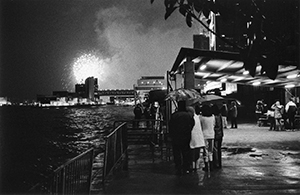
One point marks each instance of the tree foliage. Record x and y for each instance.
(272, 30)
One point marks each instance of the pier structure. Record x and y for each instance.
(248, 167)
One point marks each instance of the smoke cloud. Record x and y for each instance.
(136, 41)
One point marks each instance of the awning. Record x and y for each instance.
(228, 67)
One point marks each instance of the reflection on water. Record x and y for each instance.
(35, 141)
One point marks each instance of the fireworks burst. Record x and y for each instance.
(88, 65)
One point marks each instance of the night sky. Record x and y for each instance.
(42, 39)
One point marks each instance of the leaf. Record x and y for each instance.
(170, 3)
(173, 3)
(169, 11)
(270, 64)
(182, 10)
(206, 13)
(189, 19)
(167, 2)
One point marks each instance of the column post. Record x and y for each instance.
(189, 74)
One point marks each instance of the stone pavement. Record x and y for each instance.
(250, 168)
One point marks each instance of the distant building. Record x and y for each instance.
(91, 86)
(88, 89)
(4, 101)
(86, 93)
(61, 93)
(80, 90)
(151, 83)
(147, 83)
(44, 99)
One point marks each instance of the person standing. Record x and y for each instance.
(197, 139)
(138, 112)
(259, 109)
(224, 113)
(270, 115)
(180, 127)
(291, 110)
(233, 115)
(278, 112)
(207, 120)
(217, 153)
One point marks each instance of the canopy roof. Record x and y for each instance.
(228, 67)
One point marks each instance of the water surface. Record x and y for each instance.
(35, 141)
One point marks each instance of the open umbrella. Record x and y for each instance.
(238, 102)
(210, 98)
(182, 94)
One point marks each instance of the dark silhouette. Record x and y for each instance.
(217, 153)
(181, 125)
(233, 115)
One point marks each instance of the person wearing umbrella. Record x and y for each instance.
(197, 139)
(207, 120)
(217, 153)
(180, 128)
(224, 113)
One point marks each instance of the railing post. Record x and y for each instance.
(63, 180)
(125, 146)
(90, 172)
(105, 159)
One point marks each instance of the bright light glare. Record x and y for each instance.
(292, 76)
(246, 72)
(256, 83)
(203, 67)
(289, 86)
(223, 80)
(87, 65)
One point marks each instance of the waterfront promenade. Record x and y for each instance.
(255, 161)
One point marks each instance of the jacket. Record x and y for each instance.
(180, 126)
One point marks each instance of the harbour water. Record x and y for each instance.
(35, 141)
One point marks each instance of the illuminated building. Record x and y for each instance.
(91, 85)
(150, 83)
(147, 83)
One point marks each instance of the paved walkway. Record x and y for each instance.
(264, 163)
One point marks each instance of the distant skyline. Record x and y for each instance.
(42, 41)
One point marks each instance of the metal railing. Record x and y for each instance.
(154, 128)
(73, 177)
(149, 132)
(115, 150)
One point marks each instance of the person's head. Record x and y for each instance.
(206, 110)
(277, 102)
(292, 99)
(190, 110)
(181, 106)
(233, 103)
(215, 110)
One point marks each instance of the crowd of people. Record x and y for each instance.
(280, 117)
(148, 110)
(198, 129)
(195, 129)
